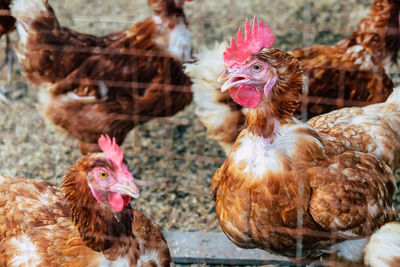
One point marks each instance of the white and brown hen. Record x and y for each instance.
(353, 72)
(88, 221)
(109, 84)
(302, 188)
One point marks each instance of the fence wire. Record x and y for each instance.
(174, 155)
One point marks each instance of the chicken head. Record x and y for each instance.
(248, 84)
(249, 78)
(109, 179)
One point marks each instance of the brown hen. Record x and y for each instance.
(353, 72)
(108, 84)
(88, 221)
(302, 188)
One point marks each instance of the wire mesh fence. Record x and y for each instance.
(174, 155)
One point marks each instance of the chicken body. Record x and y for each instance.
(353, 72)
(108, 84)
(45, 225)
(327, 183)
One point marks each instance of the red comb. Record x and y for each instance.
(111, 149)
(260, 36)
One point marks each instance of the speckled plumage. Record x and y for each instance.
(95, 85)
(323, 182)
(45, 225)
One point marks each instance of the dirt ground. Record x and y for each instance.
(173, 153)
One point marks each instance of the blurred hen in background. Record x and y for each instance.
(95, 85)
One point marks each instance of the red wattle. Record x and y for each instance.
(246, 95)
(126, 200)
(117, 202)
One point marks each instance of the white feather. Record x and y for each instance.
(179, 43)
(25, 11)
(148, 256)
(157, 20)
(352, 250)
(119, 262)
(259, 154)
(207, 90)
(262, 155)
(395, 96)
(26, 253)
(103, 89)
(384, 246)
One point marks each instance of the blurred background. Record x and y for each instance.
(173, 154)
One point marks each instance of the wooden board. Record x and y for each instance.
(215, 248)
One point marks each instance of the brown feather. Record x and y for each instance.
(108, 84)
(67, 226)
(286, 95)
(323, 182)
(352, 72)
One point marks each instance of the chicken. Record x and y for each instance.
(353, 72)
(302, 188)
(87, 221)
(7, 25)
(110, 84)
(383, 249)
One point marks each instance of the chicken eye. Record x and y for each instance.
(257, 67)
(103, 174)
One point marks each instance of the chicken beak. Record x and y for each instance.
(130, 188)
(233, 77)
(223, 76)
(232, 82)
